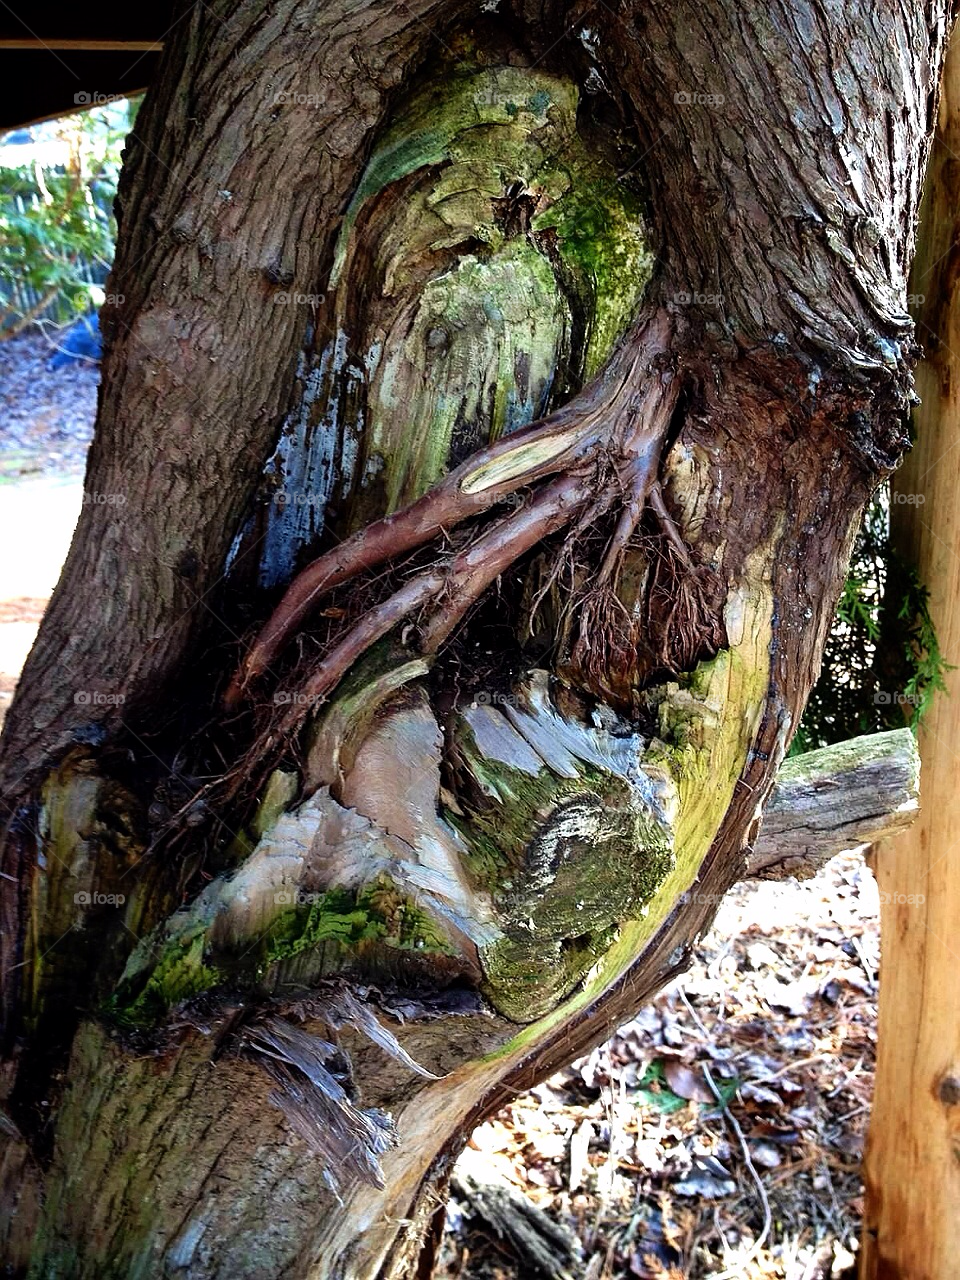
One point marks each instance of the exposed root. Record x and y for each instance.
(564, 559)
(684, 611)
(475, 568)
(682, 607)
(607, 448)
(639, 488)
(669, 527)
(612, 415)
(442, 594)
(374, 624)
(474, 487)
(639, 479)
(606, 637)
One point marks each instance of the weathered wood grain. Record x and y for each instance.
(840, 797)
(912, 1213)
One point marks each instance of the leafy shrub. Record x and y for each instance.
(57, 231)
(882, 663)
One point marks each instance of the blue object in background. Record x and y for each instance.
(80, 342)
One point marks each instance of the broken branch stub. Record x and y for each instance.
(837, 798)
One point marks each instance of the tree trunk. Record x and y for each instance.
(483, 431)
(912, 1223)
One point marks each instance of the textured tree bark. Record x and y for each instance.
(911, 1220)
(485, 518)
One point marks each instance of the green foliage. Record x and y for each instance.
(921, 650)
(882, 664)
(654, 1092)
(57, 231)
(855, 609)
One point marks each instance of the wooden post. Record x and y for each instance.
(912, 1218)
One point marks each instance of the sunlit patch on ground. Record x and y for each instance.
(37, 518)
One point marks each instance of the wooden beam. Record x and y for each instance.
(912, 1214)
(39, 82)
(96, 46)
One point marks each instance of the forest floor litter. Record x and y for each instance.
(754, 1069)
(47, 415)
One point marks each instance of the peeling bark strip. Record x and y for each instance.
(349, 1141)
(573, 362)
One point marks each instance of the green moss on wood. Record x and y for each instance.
(487, 264)
(708, 720)
(566, 860)
(502, 318)
(601, 239)
(278, 795)
(377, 912)
(179, 976)
(310, 933)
